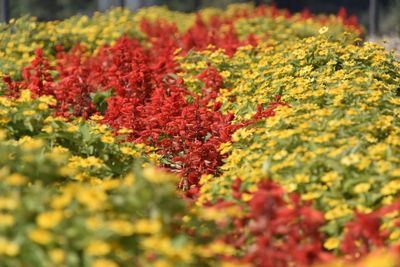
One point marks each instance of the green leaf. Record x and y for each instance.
(100, 100)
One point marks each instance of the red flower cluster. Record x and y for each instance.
(277, 229)
(364, 233)
(275, 225)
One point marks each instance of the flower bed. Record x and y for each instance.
(245, 137)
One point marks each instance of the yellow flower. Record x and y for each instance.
(94, 223)
(330, 177)
(214, 249)
(6, 220)
(25, 96)
(391, 188)
(28, 143)
(280, 155)
(8, 248)
(40, 236)
(395, 235)
(361, 188)
(98, 248)
(129, 151)
(16, 179)
(310, 196)
(8, 203)
(29, 113)
(72, 129)
(57, 255)
(331, 243)
(4, 101)
(225, 148)
(96, 117)
(104, 263)
(350, 159)
(48, 100)
(43, 106)
(47, 129)
(338, 212)
(147, 226)
(302, 178)
(107, 139)
(124, 131)
(122, 227)
(61, 201)
(93, 198)
(323, 30)
(49, 219)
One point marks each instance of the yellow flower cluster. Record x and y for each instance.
(335, 143)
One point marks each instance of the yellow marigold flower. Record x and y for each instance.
(94, 223)
(25, 96)
(338, 212)
(364, 163)
(122, 227)
(29, 112)
(40, 236)
(280, 155)
(350, 159)
(391, 188)
(225, 148)
(47, 129)
(6, 220)
(8, 203)
(61, 201)
(128, 151)
(395, 172)
(104, 263)
(28, 143)
(246, 197)
(16, 179)
(8, 248)
(49, 219)
(93, 198)
(72, 128)
(98, 248)
(363, 209)
(147, 226)
(4, 120)
(96, 117)
(330, 177)
(302, 178)
(214, 249)
(387, 200)
(310, 196)
(331, 243)
(43, 106)
(125, 131)
(395, 235)
(108, 139)
(4, 101)
(362, 188)
(57, 255)
(48, 100)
